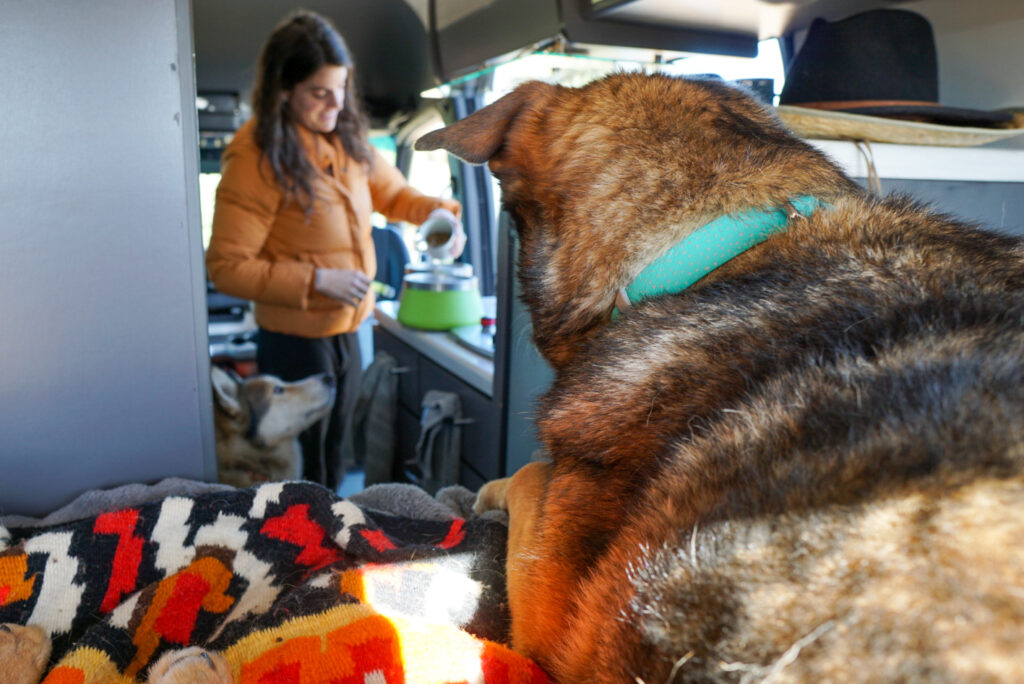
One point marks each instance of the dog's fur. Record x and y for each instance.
(24, 651)
(806, 467)
(258, 421)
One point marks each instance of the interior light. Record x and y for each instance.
(437, 92)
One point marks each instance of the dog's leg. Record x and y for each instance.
(24, 652)
(524, 497)
(492, 496)
(539, 586)
(559, 523)
(191, 666)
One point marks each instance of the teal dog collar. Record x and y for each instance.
(711, 246)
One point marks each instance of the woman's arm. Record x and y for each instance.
(396, 199)
(248, 200)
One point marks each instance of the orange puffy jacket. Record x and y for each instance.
(267, 250)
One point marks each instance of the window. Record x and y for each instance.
(207, 195)
(429, 171)
(573, 70)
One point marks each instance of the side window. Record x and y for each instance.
(429, 172)
(208, 183)
(385, 145)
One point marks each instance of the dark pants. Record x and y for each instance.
(293, 358)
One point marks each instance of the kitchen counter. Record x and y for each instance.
(442, 348)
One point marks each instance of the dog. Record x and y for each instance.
(801, 461)
(257, 422)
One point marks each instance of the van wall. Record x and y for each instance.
(980, 51)
(104, 372)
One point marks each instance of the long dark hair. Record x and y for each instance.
(297, 48)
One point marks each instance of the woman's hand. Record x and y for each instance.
(458, 240)
(343, 284)
(451, 211)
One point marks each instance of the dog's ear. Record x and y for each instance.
(225, 391)
(476, 138)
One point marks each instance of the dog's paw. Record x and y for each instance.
(191, 665)
(493, 496)
(24, 652)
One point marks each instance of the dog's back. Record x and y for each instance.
(837, 469)
(805, 467)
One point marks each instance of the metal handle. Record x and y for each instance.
(398, 370)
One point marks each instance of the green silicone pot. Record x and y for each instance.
(433, 301)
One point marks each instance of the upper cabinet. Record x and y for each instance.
(403, 48)
(466, 35)
(387, 38)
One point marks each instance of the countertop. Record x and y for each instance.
(441, 347)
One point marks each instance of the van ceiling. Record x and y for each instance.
(448, 11)
(395, 62)
(763, 18)
(387, 39)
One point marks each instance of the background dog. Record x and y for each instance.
(258, 421)
(804, 467)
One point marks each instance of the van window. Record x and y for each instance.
(576, 70)
(385, 144)
(429, 171)
(208, 183)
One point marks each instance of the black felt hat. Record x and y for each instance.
(877, 63)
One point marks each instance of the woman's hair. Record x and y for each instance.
(296, 49)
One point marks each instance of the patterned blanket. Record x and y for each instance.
(289, 582)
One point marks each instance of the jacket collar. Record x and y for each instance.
(321, 150)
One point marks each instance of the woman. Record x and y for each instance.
(291, 227)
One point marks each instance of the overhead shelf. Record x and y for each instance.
(923, 162)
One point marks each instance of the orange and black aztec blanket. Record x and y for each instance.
(289, 582)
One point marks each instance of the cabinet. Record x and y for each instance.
(103, 346)
(481, 458)
(984, 185)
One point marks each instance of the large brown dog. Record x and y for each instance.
(804, 467)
